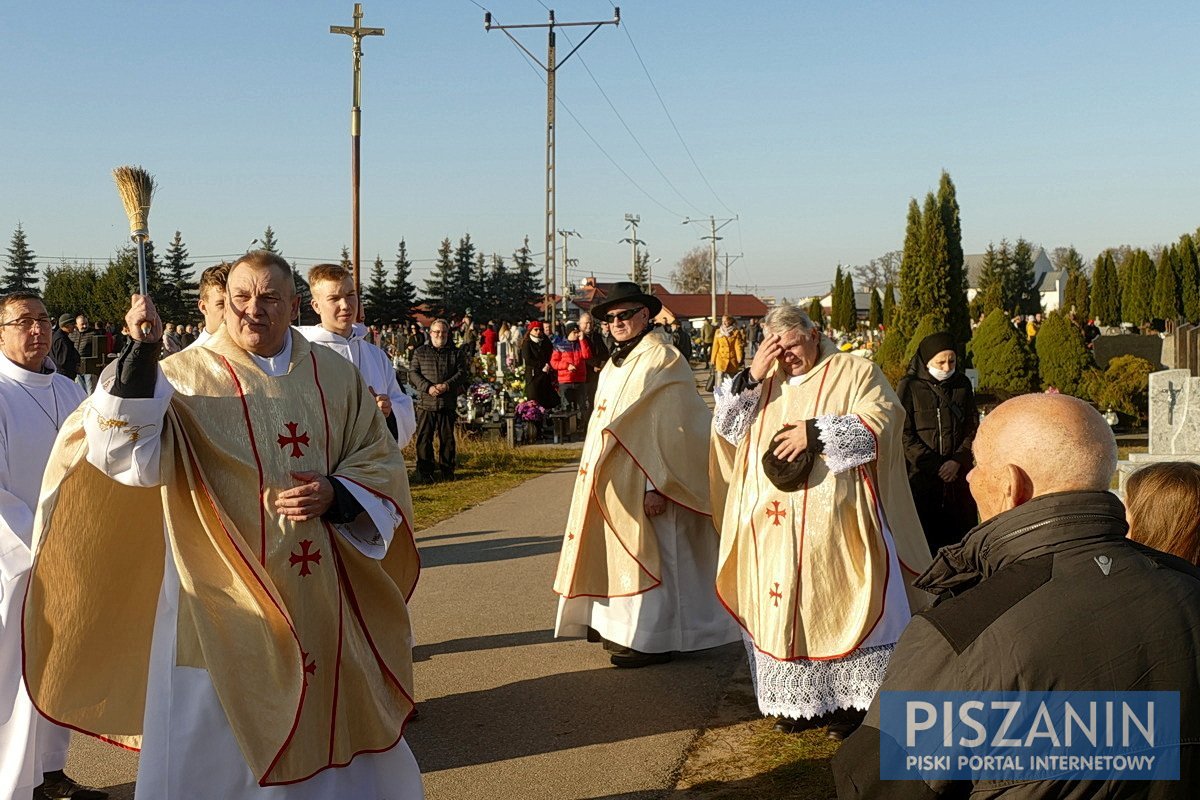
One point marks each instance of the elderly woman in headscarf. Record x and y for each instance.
(938, 433)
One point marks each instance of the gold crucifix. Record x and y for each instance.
(356, 33)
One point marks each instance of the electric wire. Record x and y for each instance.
(671, 119)
(625, 125)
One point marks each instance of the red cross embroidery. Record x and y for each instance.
(776, 513)
(570, 536)
(600, 409)
(294, 439)
(776, 594)
(304, 557)
(583, 470)
(310, 667)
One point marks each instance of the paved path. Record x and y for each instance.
(506, 711)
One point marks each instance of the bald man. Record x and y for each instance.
(1045, 594)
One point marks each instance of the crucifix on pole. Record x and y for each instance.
(356, 34)
(551, 67)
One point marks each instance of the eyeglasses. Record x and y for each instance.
(28, 323)
(623, 316)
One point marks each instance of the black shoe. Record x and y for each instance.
(634, 659)
(57, 786)
(421, 478)
(447, 475)
(789, 725)
(845, 722)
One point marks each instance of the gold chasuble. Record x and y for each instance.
(805, 572)
(306, 639)
(649, 423)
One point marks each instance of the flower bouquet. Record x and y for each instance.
(530, 411)
(481, 393)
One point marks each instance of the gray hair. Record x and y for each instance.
(787, 317)
(440, 321)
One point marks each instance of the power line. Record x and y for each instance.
(629, 130)
(671, 119)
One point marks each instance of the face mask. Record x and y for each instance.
(939, 374)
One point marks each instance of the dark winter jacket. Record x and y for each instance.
(63, 354)
(1047, 596)
(599, 354)
(433, 365)
(941, 419)
(539, 384)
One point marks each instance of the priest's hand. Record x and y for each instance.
(766, 355)
(309, 500)
(382, 400)
(791, 443)
(142, 312)
(948, 471)
(654, 504)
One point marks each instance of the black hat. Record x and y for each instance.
(66, 319)
(788, 476)
(627, 292)
(933, 344)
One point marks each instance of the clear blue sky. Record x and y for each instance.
(815, 122)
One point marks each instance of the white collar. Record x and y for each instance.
(277, 364)
(16, 372)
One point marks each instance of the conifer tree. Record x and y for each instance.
(482, 306)
(929, 325)
(376, 297)
(20, 275)
(404, 293)
(437, 285)
(990, 294)
(889, 304)
(178, 295)
(849, 320)
(905, 316)
(1023, 296)
(345, 259)
(1165, 301)
(458, 291)
(1000, 356)
(958, 318)
(526, 287)
(641, 269)
(890, 355)
(267, 242)
(816, 313)
(1062, 356)
(1137, 299)
(836, 299)
(500, 281)
(1106, 291)
(875, 314)
(934, 290)
(1189, 278)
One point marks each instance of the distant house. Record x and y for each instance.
(862, 304)
(697, 307)
(1051, 283)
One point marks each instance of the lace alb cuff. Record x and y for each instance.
(734, 413)
(848, 442)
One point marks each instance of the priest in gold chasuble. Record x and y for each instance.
(639, 553)
(233, 599)
(820, 540)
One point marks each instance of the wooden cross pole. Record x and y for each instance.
(356, 33)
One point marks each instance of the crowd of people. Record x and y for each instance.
(250, 491)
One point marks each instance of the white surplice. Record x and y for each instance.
(33, 406)
(188, 747)
(375, 367)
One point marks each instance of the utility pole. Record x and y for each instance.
(713, 238)
(633, 220)
(551, 66)
(356, 33)
(566, 263)
(729, 260)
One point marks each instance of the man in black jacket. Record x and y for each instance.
(596, 362)
(62, 350)
(1046, 594)
(439, 374)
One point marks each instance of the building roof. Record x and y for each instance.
(692, 306)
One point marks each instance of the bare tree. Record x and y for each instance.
(693, 273)
(878, 272)
(1067, 259)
